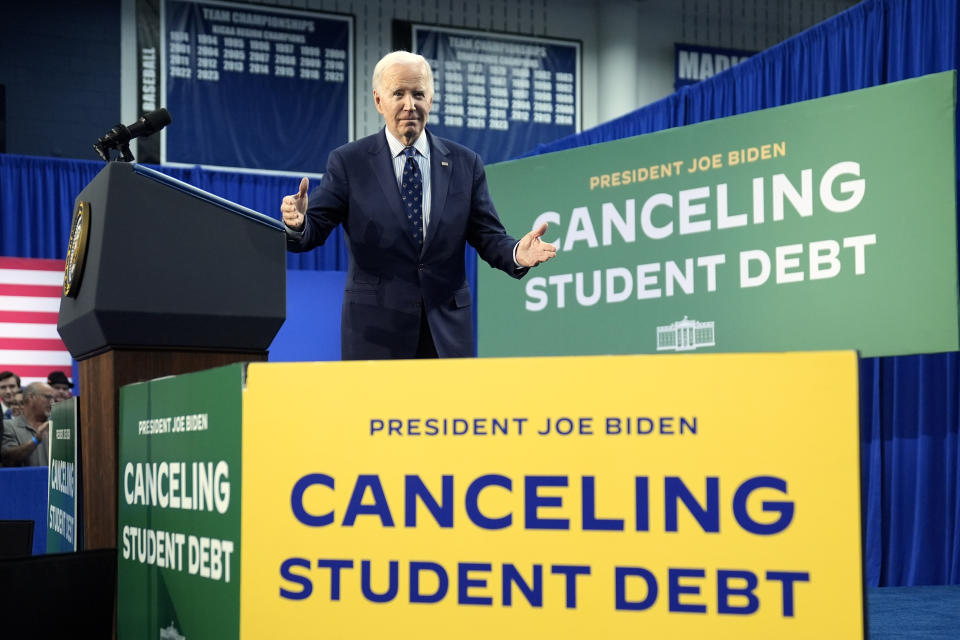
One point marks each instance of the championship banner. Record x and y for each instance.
(500, 94)
(690, 496)
(827, 224)
(62, 524)
(248, 86)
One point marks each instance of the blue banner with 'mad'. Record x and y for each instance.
(693, 63)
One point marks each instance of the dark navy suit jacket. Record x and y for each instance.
(389, 277)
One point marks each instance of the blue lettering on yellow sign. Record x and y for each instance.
(473, 497)
(441, 511)
(736, 588)
(680, 585)
(536, 503)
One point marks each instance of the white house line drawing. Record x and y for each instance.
(685, 335)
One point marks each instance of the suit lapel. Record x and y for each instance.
(382, 166)
(440, 169)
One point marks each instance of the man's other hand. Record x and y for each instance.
(295, 207)
(532, 250)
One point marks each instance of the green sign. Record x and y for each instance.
(178, 517)
(62, 522)
(827, 224)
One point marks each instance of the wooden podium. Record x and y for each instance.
(162, 279)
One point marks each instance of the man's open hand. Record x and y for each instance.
(532, 250)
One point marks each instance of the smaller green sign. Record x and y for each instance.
(178, 515)
(62, 522)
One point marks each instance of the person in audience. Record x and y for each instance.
(61, 384)
(25, 438)
(9, 386)
(16, 406)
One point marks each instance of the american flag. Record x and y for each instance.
(30, 290)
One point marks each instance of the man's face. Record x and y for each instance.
(8, 388)
(16, 405)
(37, 407)
(404, 97)
(62, 390)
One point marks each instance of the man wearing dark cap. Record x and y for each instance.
(61, 385)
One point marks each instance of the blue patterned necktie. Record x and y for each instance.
(411, 192)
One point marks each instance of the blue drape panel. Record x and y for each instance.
(910, 449)
(37, 194)
(910, 440)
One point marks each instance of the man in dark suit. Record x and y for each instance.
(408, 202)
(9, 387)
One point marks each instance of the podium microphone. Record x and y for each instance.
(120, 136)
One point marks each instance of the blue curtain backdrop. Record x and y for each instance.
(909, 405)
(37, 194)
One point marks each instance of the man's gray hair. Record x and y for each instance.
(34, 389)
(401, 57)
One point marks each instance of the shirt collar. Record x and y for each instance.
(397, 147)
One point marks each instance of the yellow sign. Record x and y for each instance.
(711, 496)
